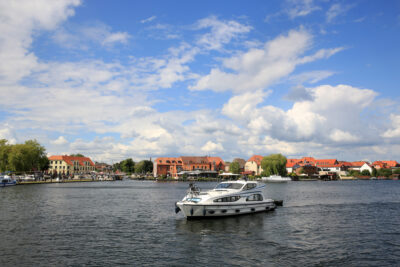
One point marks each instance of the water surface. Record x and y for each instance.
(350, 223)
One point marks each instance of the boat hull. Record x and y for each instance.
(8, 184)
(198, 211)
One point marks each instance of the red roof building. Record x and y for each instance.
(62, 164)
(172, 166)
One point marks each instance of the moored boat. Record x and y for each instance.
(226, 199)
(7, 181)
(276, 179)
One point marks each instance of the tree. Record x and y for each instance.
(116, 167)
(366, 173)
(77, 155)
(374, 172)
(274, 164)
(354, 173)
(234, 167)
(396, 171)
(30, 156)
(127, 166)
(385, 172)
(144, 166)
(4, 152)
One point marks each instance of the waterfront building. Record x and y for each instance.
(67, 165)
(103, 167)
(253, 165)
(170, 166)
(367, 167)
(385, 164)
(356, 165)
(326, 165)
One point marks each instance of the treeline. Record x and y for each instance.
(129, 166)
(274, 164)
(375, 172)
(26, 157)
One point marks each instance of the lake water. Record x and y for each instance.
(133, 223)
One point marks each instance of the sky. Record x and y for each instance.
(145, 79)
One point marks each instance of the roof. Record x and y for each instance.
(381, 164)
(164, 160)
(391, 163)
(357, 163)
(194, 160)
(70, 160)
(325, 162)
(256, 158)
(291, 162)
(217, 160)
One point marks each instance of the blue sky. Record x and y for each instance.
(141, 79)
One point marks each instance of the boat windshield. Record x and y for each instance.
(229, 186)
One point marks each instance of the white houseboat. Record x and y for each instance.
(226, 199)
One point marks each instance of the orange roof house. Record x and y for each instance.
(256, 158)
(391, 163)
(253, 165)
(170, 166)
(64, 164)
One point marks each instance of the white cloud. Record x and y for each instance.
(84, 36)
(395, 129)
(18, 20)
(259, 68)
(342, 136)
(311, 76)
(60, 141)
(222, 32)
(149, 19)
(241, 106)
(212, 147)
(334, 110)
(337, 10)
(300, 8)
(6, 132)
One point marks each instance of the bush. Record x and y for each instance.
(365, 173)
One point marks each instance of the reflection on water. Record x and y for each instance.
(236, 224)
(133, 223)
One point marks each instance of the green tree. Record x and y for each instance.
(30, 156)
(366, 173)
(144, 166)
(385, 172)
(274, 164)
(354, 173)
(374, 172)
(77, 155)
(396, 171)
(127, 166)
(234, 167)
(4, 153)
(116, 167)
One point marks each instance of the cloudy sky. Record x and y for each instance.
(141, 79)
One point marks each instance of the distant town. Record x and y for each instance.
(30, 161)
(185, 167)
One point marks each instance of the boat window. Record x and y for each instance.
(250, 186)
(227, 199)
(229, 186)
(254, 197)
